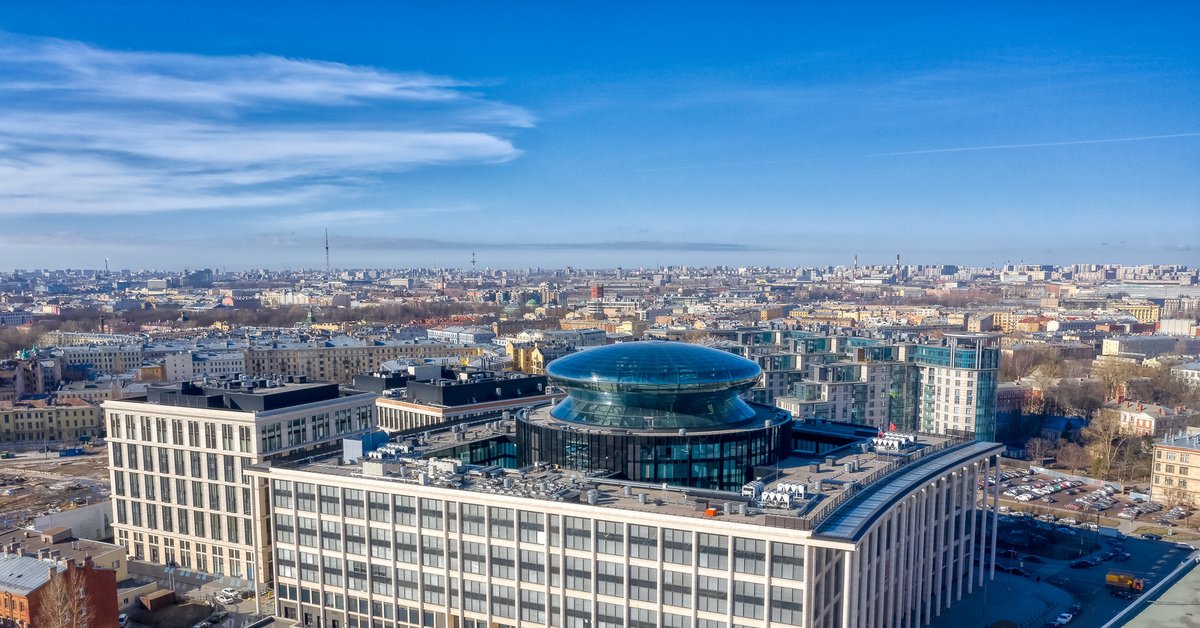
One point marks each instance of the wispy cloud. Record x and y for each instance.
(88, 130)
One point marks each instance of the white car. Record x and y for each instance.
(225, 599)
(1064, 619)
(1184, 546)
(231, 592)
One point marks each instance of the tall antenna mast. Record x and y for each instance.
(472, 262)
(327, 273)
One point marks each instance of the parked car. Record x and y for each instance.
(1017, 571)
(1080, 564)
(1062, 620)
(1151, 536)
(226, 599)
(1121, 593)
(1123, 557)
(1031, 559)
(1074, 609)
(122, 619)
(1184, 546)
(231, 592)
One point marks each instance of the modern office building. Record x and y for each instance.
(177, 458)
(946, 386)
(849, 531)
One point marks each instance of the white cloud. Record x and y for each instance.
(87, 130)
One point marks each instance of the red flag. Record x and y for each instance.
(892, 426)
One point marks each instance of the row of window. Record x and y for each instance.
(198, 524)
(161, 488)
(748, 600)
(180, 462)
(576, 533)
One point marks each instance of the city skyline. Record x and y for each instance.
(165, 137)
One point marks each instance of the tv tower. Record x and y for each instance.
(472, 262)
(327, 273)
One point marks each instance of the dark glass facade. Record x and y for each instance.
(722, 460)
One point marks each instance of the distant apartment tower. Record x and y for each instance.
(177, 459)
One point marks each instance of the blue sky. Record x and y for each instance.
(165, 135)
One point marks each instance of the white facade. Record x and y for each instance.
(178, 484)
(192, 365)
(352, 550)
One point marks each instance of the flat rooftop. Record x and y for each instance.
(249, 395)
(854, 485)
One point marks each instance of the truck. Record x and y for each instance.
(1124, 581)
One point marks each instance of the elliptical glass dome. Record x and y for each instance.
(654, 385)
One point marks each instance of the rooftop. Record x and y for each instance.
(22, 575)
(844, 487)
(244, 395)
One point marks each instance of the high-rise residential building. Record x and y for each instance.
(178, 458)
(945, 386)
(613, 509)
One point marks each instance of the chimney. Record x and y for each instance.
(87, 561)
(53, 571)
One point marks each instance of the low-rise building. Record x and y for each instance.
(1149, 419)
(38, 420)
(28, 590)
(1175, 480)
(433, 396)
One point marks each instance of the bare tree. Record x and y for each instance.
(65, 602)
(1073, 457)
(1177, 496)
(1104, 437)
(1037, 449)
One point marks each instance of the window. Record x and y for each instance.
(643, 542)
(330, 501)
(787, 606)
(787, 561)
(533, 606)
(473, 522)
(711, 594)
(406, 547)
(533, 530)
(533, 567)
(474, 596)
(749, 556)
(433, 553)
(503, 564)
(377, 507)
(504, 601)
(431, 514)
(579, 613)
(356, 575)
(609, 579)
(748, 600)
(331, 570)
(579, 574)
(643, 584)
(609, 615)
(434, 589)
(677, 547)
(671, 620)
(714, 551)
(285, 531)
(610, 538)
(406, 584)
(474, 558)
(642, 618)
(579, 533)
(677, 589)
(381, 543)
(356, 539)
(381, 579)
(307, 529)
(501, 523)
(306, 497)
(308, 567)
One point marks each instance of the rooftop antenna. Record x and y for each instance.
(327, 273)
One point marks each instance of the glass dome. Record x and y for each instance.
(654, 385)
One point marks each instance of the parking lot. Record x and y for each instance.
(1052, 585)
(1105, 506)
